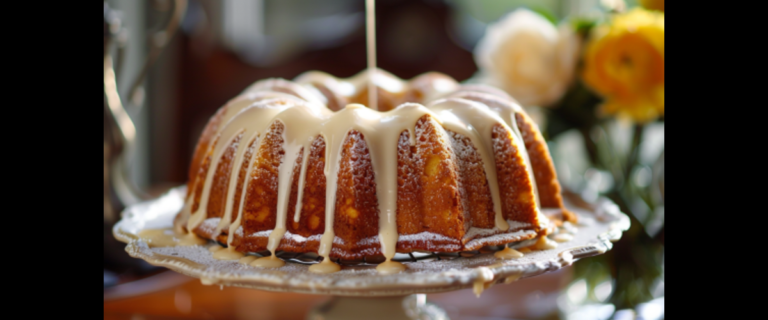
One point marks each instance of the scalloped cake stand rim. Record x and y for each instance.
(600, 224)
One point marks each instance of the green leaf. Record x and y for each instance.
(583, 25)
(545, 13)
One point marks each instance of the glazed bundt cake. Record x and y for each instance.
(303, 166)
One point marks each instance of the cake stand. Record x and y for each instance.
(400, 295)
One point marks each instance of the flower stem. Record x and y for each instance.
(634, 153)
(591, 147)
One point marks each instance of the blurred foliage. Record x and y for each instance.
(624, 161)
(607, 155)
(491, 10)
(635, 264)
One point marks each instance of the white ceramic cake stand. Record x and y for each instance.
(399, 295)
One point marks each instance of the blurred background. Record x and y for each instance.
(590, 72)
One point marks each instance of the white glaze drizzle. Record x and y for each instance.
(199, 215)
(236, 224)
(233, 177)
(370, 39)
(295, 90)
(300, 123)
(352, 86)
(235, 106)
(506, 109)
(302, 178)
(243, 123)
(475, 121)
(252, 114)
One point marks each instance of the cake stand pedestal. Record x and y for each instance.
(358, 289)
(413, 306)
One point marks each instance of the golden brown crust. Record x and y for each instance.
(543, 168)
(220, 185)
(312, 216)
(356, 220)
(428, 198)
(473, 185)
(241, 177)
(202, 148)
(202, 172)
(441, 202)
(260, 205)
(515, 187)
(409, 213)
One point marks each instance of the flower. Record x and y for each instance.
(527, 56)
(614, 5)
(624, 62)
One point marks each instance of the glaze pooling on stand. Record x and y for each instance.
(543, 243)
(268, 262)
(508, 253)
(228, 253)
(167, 237)
(250, 116)
(562, 237)
(326, 266)
(483, 281)
(390, 267)
(246, 260)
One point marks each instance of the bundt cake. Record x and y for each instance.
(439, 167)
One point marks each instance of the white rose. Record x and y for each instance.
(528, 57)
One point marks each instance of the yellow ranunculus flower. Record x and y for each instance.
(624, 63)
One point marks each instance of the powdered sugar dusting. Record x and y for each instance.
(501, 238)
(363, 242)
(424, 236)
(480, 232)
(300, 239)
(209, 225)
